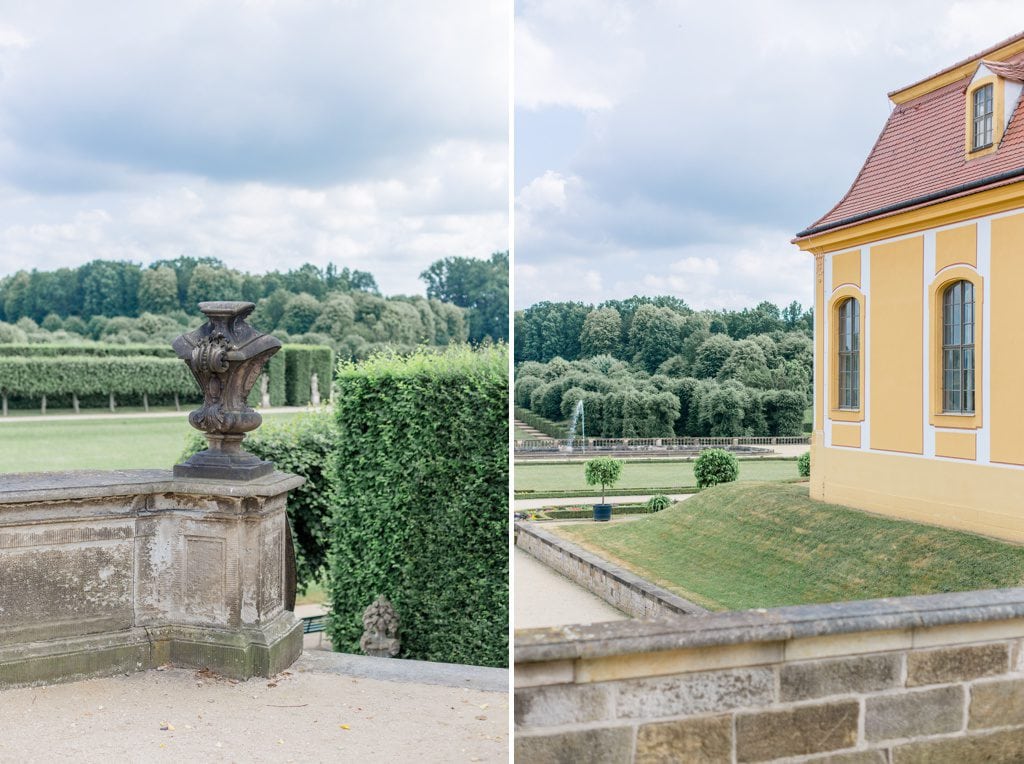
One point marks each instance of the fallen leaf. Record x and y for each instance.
(344, 726)
(482, 718)
(271, 684)
(280, 742)
(166, 727)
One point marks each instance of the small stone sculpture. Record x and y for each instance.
(380, 629)
(314, 390)
(226, 356)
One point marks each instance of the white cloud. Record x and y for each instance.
(265, 133)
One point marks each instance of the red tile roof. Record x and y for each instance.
(1006, 69)
(920, 152)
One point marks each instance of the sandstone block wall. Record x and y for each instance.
(922, 679)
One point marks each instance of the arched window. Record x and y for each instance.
(958, 348)
(849, 354)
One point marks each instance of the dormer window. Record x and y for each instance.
(982, 118)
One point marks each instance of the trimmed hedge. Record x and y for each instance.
(130, 375)
(537, 422)
(421, 515)
(301, 362)
(275, 371)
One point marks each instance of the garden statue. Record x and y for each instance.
(264, 391)
(380, 629)
(226, 356)
(314, 391)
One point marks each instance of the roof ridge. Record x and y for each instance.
(991, 49)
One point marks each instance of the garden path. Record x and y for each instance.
(546, 598)
(326, 708)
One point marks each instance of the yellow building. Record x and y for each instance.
(919, 308)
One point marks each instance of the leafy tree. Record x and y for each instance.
(183, 267)
(300, 313)
(552, 329)
(212, 283)
(337, 316)
(654, 336)
(480, 286)
(158, 290)
(746, 364)
(52, 322)
(711, 356)
(604, 471)
(602, 333)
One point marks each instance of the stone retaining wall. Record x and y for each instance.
(108, 572)
(618, 587)
(918, 679)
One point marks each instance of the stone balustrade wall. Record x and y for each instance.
(918, 679)
(108, 572)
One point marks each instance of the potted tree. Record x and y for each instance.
(603, 471)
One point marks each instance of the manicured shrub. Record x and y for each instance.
(803, 464)
(421, 514)
(537, 422)
(274, 370)
(714, 466)
(658, 503)
(301, 362)
(603, 471)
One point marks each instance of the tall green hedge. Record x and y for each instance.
(421, 514)
(301, 361)
(275, 372)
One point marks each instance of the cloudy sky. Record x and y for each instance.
(676, 146)
(263, 132)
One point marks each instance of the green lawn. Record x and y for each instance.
(523, 434)
(36, 445)
(640, 474)
(741, 546)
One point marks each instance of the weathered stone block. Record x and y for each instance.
(695, 693)
(997, 704)
(562, 704)
(957, 664)
(609, 745)
(796, 731)
(927, 712)
(696, 741)
(817, 679)
(1002, 747)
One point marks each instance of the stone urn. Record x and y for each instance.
(226, 356)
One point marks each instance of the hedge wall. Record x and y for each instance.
(275, 371)
(537, 422)
(301, 361)
(421, 515)
(98, 349)
(131, 375)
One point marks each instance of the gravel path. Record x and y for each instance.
(307, 715)
(546, 598)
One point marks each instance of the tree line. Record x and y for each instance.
(653, 367)
(124, 302)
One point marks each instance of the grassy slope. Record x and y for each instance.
(115, 443)
(749, 545)
(557, 477)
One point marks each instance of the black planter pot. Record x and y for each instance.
(602, 513)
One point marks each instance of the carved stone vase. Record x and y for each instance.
(226, 356)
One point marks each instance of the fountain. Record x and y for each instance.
(578, 417)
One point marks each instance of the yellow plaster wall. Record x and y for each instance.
(956, 445)
(846, 269)
(956, 246)
(847, 435)
(1007, 361)
(965, 495)
(895, 346)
